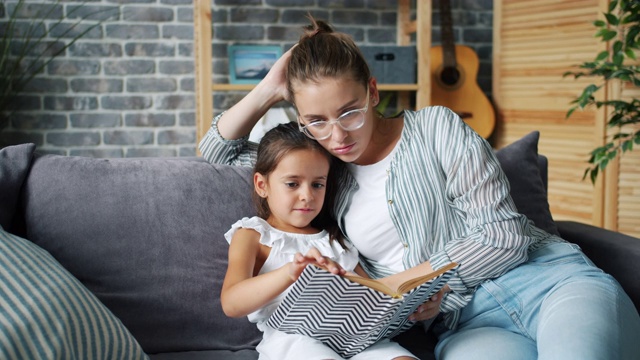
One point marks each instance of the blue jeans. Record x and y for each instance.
(558, 305)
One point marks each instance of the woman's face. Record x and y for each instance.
(330, 98)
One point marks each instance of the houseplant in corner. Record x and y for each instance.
(620, 27)
(27, 44)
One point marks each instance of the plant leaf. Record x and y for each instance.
(630, 54)
(602, 55)
(594, 174)
(25, 55)
(612, 19)
(608, 34)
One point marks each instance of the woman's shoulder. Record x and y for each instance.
(436, 122)
(430, 115)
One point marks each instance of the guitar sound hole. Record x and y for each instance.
(450, 76)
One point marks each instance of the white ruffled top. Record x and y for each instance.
(284, 245)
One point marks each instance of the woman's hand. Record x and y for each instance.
(429, 309)
(275, 82)
(313, 256)
(240, 119)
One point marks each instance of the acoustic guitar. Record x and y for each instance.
(454, 69)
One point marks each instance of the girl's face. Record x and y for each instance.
(295, 190)
(327, 100)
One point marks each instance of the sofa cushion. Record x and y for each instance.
(146, 236)
(15, 162)
(45, 313)
(246, 354)
(519, 161)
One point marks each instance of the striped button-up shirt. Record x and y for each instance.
(447, 196)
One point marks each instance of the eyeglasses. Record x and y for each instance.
(349, 121)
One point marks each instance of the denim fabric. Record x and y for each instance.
(558, 305)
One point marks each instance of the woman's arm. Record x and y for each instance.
(492, 237)
(226, 142)
(240, 119)
(242, 292)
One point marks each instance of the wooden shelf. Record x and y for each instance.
(248, 87)
(421, 26)
(232, 87)
(398, 87)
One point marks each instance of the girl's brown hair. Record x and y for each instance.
(321, 52)
(277, 143)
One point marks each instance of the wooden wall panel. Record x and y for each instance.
(535, 42)
(629, 194)
(627, 191)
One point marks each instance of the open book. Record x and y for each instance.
(350, 313)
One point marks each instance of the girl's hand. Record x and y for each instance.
(313, 256)
(429, 309)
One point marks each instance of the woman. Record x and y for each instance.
(421, 190)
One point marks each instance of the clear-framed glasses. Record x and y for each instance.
(349, 121)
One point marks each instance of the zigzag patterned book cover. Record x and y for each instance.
(348, 316)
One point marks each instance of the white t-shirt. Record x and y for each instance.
(367, 221)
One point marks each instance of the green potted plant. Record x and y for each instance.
(27, 47)
(620, 27)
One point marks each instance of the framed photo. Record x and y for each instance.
(248, 64)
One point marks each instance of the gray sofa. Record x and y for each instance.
(145, 237)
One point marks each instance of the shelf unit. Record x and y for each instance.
(203, 57)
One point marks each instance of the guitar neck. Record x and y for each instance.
(447, 38)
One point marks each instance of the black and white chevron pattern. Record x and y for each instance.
(344, 315)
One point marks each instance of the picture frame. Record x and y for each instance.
(248, 64)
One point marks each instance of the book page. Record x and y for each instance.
(374, 284)
(415, 282)
(398, 284)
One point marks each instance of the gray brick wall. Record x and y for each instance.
(126, 88)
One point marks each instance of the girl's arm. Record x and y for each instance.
(242, 292)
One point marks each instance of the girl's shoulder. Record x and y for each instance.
(271, 236)
(256, 224)
(289, 243)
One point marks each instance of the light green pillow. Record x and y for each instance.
(46, 313)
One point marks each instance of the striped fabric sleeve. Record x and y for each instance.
(46, 313)
(450, 202)
(493, 234)
(218, 150)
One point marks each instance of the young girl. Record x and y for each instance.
(291, 178)
(422, 189)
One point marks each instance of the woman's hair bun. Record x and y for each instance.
(316, 26)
